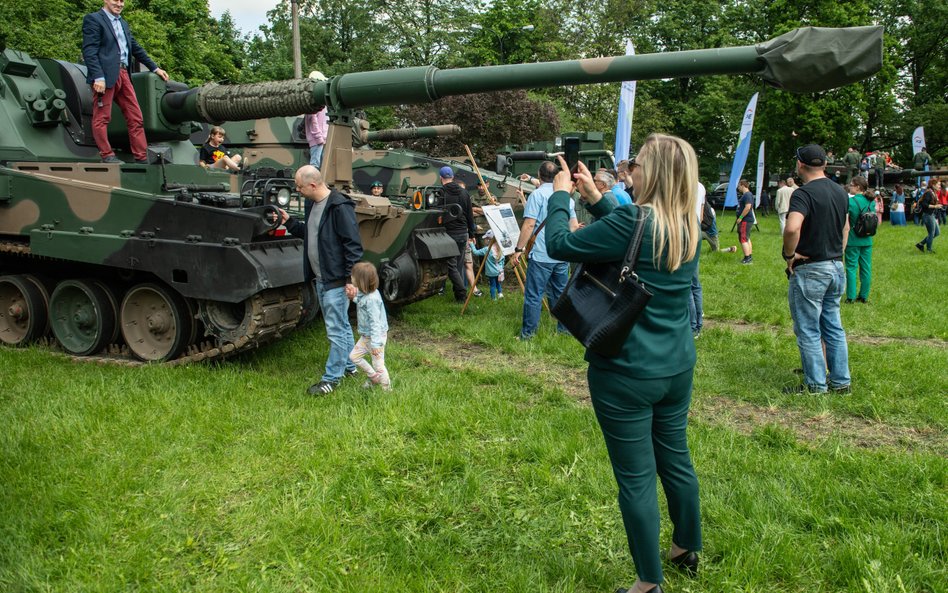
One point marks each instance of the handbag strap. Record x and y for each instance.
(632, 254)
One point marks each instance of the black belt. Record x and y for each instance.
(803, 262)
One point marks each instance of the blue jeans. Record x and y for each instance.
(316, 155)
(815, 290)
(540, 276)
(933, 230)
(695, 303)
(334, 305)
(495, 287)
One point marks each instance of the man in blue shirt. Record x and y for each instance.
(544, 273)
(745, 219)
(622, 196)
(107, 49)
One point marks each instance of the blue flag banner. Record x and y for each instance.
(626, 106)
(760, 173)
(740, 155)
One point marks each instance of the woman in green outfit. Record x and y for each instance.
(858, 249)
(641, 396)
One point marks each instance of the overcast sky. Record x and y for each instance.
(247, 14)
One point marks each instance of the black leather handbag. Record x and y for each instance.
(602, 301)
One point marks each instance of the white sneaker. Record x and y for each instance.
(500, 295)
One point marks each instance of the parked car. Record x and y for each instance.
(716, 196)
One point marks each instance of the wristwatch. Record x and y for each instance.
(518, 249)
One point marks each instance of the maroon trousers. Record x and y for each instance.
(122, 93)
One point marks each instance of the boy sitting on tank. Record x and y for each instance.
(214, 155)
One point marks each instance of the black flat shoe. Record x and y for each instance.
(686, 561)
(655, 589)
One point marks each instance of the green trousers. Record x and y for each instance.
(644, 422)
(858, 258)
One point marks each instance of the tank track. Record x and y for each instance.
(274, 313)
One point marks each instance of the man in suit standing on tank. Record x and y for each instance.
(107, 49)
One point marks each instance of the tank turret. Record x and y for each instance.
(169, 262)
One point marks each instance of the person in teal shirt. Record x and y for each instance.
(858, 249)
(641, 397)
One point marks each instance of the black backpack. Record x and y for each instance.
(867, 222)
(707, 216)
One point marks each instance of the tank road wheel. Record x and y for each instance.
(23, 311)
(156, 322)
(110, 294)
(310, 305)
(43, 285)
(82, 316)
(227, 321)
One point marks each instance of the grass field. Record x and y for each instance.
(484, 470)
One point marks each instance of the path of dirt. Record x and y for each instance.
(742, 416)
(746, 326)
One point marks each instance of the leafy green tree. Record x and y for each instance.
(488, 121)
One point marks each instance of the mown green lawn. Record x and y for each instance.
(484, 469)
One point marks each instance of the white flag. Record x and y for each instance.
(740, 155)
(626, 106)
(760, 173)
(918, 140)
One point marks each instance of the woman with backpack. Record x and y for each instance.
(859, 245)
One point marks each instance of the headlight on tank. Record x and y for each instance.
(283, 196)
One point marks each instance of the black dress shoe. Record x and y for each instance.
(686, 561)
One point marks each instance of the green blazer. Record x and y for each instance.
(661, 343)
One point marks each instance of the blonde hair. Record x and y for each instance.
(669, 188)
(215, 130)
(365, 277)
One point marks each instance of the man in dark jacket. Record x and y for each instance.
(107, 50)
(461, 228)
(332, 245)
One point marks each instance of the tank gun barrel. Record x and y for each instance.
(809, 59)
(906, 174)
(410, 133)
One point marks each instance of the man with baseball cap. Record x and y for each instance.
(813, 243)
(461, 228)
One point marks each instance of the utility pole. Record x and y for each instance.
(297, 58)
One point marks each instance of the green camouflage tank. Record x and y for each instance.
(277, 145)
(166, 261)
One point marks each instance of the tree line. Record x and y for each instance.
(341, 36)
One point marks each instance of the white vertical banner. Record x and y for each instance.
(918, 140)
(740, 155)
(918, 143)
(760, 173)
(626, 106)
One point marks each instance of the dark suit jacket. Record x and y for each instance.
(100, 49)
